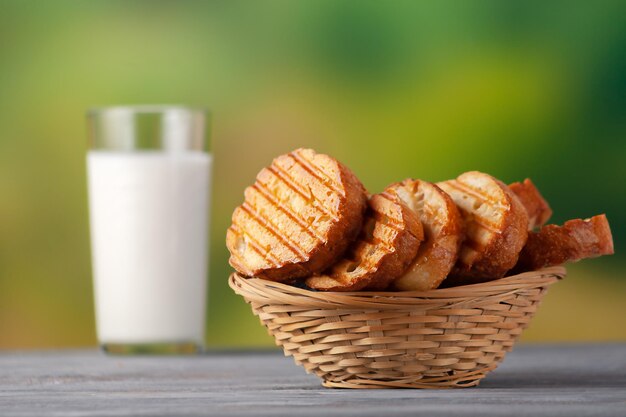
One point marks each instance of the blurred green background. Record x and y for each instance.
(393, 89)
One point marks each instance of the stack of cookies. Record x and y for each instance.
(308, 220)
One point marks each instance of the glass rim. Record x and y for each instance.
(147, 109)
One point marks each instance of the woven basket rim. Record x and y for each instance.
(270, 292)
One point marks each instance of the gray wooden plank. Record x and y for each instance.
(555, 380)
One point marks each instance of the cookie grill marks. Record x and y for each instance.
(264, 249)
(256, 246)
(475, 226)
(305, 193)
(305, 208)
(284, 179)
(262, 189)
(315, 171)
(392, 222)
(384, 221)
(402, 233)
(273, 230)
(482, 198)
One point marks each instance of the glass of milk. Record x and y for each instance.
(149, 177)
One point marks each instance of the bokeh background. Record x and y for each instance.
(393, 89)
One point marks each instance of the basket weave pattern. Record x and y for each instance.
(442, 338)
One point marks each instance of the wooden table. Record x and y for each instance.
(554, 380)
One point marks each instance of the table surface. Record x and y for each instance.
(534, 380)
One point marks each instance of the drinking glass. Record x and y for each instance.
(149, 177)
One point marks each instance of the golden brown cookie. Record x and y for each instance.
(495, 227)
(443, 234)
(297, 219)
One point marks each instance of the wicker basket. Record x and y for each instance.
(444, 338)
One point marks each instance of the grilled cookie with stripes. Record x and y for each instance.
(495, 226)
(443, 234)
(538, 209)
(388, 243)
(575, 240)
(298, 218)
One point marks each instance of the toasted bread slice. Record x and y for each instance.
(443, 233)
(496, 227)
(298, 218)
(577, 239)
(539, 212)
(388, 242)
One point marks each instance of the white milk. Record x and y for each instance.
(148, 212)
